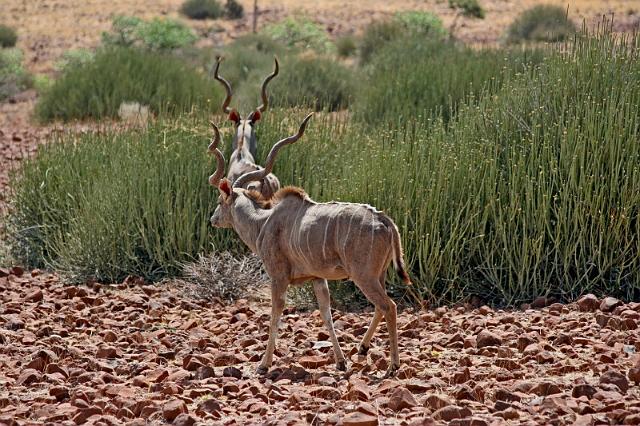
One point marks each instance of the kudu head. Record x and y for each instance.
(245, 135)
(233, 195)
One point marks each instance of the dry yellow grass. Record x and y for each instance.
(47, 28)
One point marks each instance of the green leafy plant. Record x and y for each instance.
(346, 46)
(8, 36)
(300, 32)
(157, 34)
(468, 8)
(202, 9)
(95, 89)
(13, 77)
(421, 23)
(74, 57)
(541, 23)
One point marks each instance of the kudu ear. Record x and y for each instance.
(225, 188)
(234, 116)
(255, 116)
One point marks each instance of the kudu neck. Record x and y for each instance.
(249, 218)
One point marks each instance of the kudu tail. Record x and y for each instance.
(398, 256)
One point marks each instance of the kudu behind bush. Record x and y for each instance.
(245, 143)
(300, 240)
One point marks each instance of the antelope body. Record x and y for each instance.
(300, 240)
(245, 143)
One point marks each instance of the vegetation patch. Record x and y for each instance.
(157, 34)
(541, 23)
(96, 88)
(202, 9)
(8, 36)
(13, 77)
(301, 33)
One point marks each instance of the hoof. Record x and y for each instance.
(341, 365)
(363, 350)
(391, 372)
(261, 371)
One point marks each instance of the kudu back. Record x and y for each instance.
(300, 240)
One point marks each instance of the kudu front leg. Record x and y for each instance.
(278, 293)
(321, 288)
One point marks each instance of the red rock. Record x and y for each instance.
(34, 296)
(228, 358)
(401, 398)
(325, 392)
(545, 389)
(508, 414)
(452, 412)
(110, 336)
(59, 392)
(359, 419)
(313, 361)
(16, 270)
(173, 408)
(583, 390)
(461, 376)
(232, 372)
(505, 395)
(28, 377)
(185, 419)
(634, 374)
(588, 303)
(106, 352)
(608, 304)
(85, 413)
(633, 419)
(487, 338)
(436, 401)
(204, 372)
(540, 302)
(616, 378)
(208, 406)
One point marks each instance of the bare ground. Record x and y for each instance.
(141, 354)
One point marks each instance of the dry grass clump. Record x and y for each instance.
(223, 276)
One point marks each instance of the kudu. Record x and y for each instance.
(245, 143)
(300, 240)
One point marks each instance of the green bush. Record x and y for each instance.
(8, 36)
(74, 57)
(317, 82)
(301, 33)
(233, 10)
(421, 23)
(96, 89)
(541, 23)
(157, 34)
(346, 46)
(106, 205)
(378, 34)
(469, 8)
(412, 78)
(13, 77)
(202, 9)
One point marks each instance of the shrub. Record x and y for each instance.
(202, 9)
(300, 33)
(469, 8)
(8, 36)
(346, 46)
(318, 82)
(378, 34)
(97, 88)
(233, 10)
(421, 23)
(541, 23)
(414, 79)
(74, 57)
(109, 204)
(13, 77)
(157, 34)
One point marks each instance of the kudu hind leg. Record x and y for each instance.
(277, 306)
(374, 291)
(365, 344)
(321, 288)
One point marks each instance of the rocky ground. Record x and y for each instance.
(151, 354)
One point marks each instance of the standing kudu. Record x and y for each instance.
(245, 143)
(300, 240)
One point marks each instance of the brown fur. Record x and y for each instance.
(281, 194)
